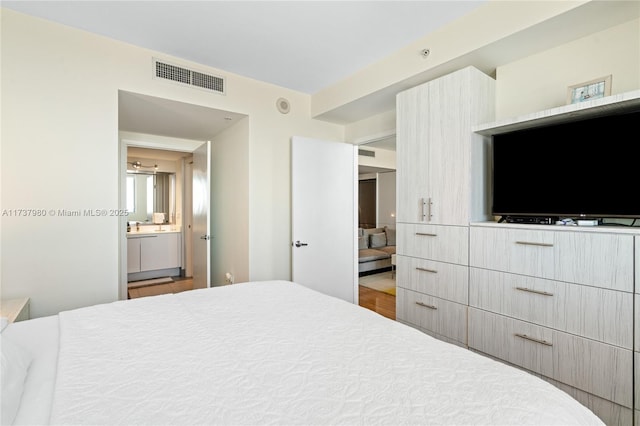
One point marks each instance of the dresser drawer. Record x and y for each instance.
(554, 354)
(439, 316)
(444, 280)
(434, 242)
(596, 313)
(520, 251)
(595, 259)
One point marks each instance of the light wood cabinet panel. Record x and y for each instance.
(610, 413)
(637, 263)
(594, 367)
(577, 309)
(434, 146)
(596, 259)
(441, 184)
(495, 336)
(444, 280)
(437, 315)
(520, 251)
(637, 379)
(412, 153)
(637, 322)
(441, 243)
(435, 335)
(601, 260)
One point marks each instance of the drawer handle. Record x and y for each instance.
(426, 270)
(424, 234)
(424, 305)
(542, 342)
(529, 290)
(529, 243)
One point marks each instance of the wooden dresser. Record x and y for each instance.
(558, 301)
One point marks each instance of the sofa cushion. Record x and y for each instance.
(378, 240)
(388, 249)
(363, 243)
(391, 236)
(369, 255)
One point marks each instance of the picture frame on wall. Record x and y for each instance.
(589, 90)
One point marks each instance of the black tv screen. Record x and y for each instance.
(588, 168)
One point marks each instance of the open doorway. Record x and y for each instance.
(166, 209)
(155, 123)
(376, 225)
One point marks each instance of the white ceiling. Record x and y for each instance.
(301, 45)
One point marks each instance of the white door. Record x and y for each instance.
(201, 223)
(323, 193)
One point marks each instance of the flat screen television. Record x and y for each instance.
(589, 168)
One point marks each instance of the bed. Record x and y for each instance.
(258, 353)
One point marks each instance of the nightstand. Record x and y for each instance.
(15, 309)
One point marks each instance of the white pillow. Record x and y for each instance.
(363, 243)
(378, 240)
(391, 236)
(15, 364)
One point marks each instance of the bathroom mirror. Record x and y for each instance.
(149, 193)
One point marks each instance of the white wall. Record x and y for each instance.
(541, 81)
(491, 22)
(60, 110)
(230, 204)
(383, 158)
(371, 128)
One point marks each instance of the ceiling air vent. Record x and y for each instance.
(366, 153)
(187, 76)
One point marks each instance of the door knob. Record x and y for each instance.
(299, 244)
(205, 237)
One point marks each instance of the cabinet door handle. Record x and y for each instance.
(533, 339)
(426, 270)
(530, 290)
(424, 234)
(424, 305)
(529, 243)
(426, 216)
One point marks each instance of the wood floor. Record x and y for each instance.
(178, 285)
(377, 301)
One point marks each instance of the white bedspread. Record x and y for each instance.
(278, 353)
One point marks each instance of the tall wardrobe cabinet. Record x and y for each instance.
(441, 185)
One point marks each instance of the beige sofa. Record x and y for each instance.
(375, 247)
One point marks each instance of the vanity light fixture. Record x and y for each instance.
(138, 165)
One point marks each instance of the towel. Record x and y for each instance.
(158, 218)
